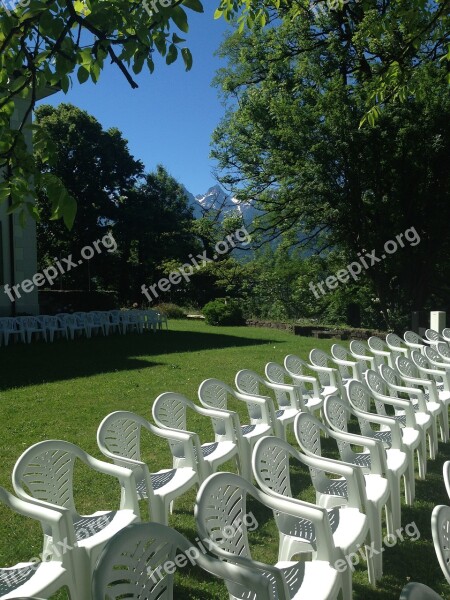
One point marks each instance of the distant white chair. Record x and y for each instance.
(9, 327)
(74, 324)
(132, 320)
(31, 326)
(52, 326)
(362, 352)
(397, 346)
(308, 399)
(381, 351)
(347, 365)
(328, 373)
(434, 337)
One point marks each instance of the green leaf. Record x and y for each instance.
(194, 5)
(83, 74)
(187, 58)
(172, 55)
(179, 17)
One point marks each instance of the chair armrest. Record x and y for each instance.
(356, 488)
(126, 478)
(307, 379)
(375, 447)
(264, 403)
(289, 389)
(389, 422)
(331, 372)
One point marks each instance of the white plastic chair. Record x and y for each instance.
(308, 399)
(329, 376)
(423, 416)
(132, 320)
(446, 334)
(348, 366)
(114, 319)
(299, 370)
(119, 438)
(43, 475)
(93, 324)
(349, 526)
(397, 346)
(134, 565)
(446, 472)
(435, 359)
(434, 337)
(9, 327)
(381, 351)
(30, 326)
(418, 591)
(334, 492)
(440, 392)
(170, 412)
(215, 394)
(410, 421)
(52, 325)
(411, 375)
(389, 432)
(220, 514)
(45, 577)
(440, 529)
(361, 351)
(394, 460)
(415, 341)
(73, 323)
(250, 383)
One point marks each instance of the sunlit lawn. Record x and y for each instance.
(62, 391)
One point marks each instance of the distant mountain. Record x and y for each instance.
(216, 199)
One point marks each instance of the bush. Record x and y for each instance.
(223, 312)
(171, 311)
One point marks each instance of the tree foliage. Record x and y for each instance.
(291, 142)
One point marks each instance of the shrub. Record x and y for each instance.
(223, 312)
(171, 311)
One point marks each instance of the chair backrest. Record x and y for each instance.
(120, 434)
(446, 334)
(295, 364)
(307, 430)
(29, 322)
(377, 385)
(319, 358)
(341, 353)
(390, 376)
(336, 413)
(270, 462)
(433, 355)
(137, 563)
(249, 382)
(395, 343)
(359, 395)
(214, 393)
(443, 349)
(433, 336)
(420, 360)
(50, 321)
(45, 472)
(406, 367)
(412, 339)
(377, 345)
(169, 410)
(440, 528)
(277, 373)
(8, 323)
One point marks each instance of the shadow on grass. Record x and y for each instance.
(37, 363)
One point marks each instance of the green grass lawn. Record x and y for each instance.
(63, 390)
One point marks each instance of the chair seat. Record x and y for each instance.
(346, 525)
(29, 578)
(410, 436)
(172, 480)
(396, 460)
(103, 525)
(255, 431)
(286, 414)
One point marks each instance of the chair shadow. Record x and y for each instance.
(23, 365)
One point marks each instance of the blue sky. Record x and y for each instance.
(170, 117)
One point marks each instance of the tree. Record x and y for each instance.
(98, 170)
(292, 143)
(43, 43)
